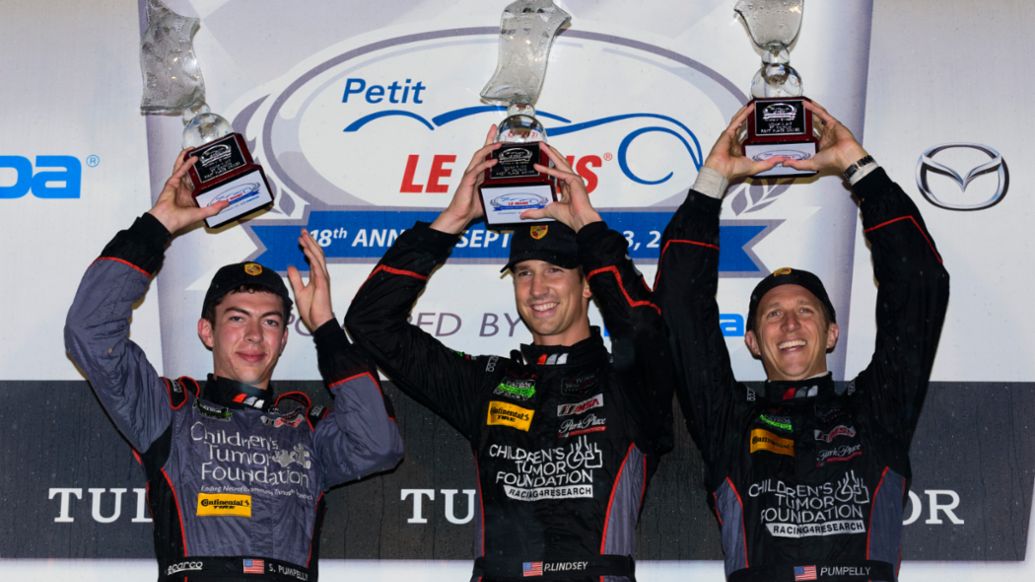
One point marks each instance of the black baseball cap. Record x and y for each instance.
(789, 276)
(233, 277)
(553, 243)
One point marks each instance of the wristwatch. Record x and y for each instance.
(851, 170)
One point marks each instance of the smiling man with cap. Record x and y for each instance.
(807, 477)
(564, 436)
(236, 470)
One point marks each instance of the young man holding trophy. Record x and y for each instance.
(565, 435)
(236, 470)
(807, 477)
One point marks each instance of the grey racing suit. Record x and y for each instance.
(236, 475)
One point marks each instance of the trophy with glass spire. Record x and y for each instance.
(780, 125)
(527, 30)
(173, 85)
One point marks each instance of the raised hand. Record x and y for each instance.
(465, 205)
(313, 298)
(838, 148)
(175, 207)
(572, 206)
(727, 155)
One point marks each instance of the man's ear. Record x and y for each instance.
(283, 338)
(587, 293)
(833, 332)
(205, 332)
(751, 341)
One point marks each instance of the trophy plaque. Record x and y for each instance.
(225, 171)
(173, 85)
(527, 30)
(780, 125)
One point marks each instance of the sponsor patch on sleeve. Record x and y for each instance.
(224, 505)
(763, 440)
(507, 414)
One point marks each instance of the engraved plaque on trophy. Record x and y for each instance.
(225, 171)
(780, 125)
(173, 85)
(527, 30)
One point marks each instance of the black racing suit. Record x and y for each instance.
(804, 481)
(236, 475)
(564, 438)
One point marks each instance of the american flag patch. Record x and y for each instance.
(531, 569)
(804, 573)
(258, 567)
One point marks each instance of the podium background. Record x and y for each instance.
(906, 76)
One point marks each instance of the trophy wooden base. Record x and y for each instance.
(513, 186)
(247, 193)
(225, 171)
(780, 127)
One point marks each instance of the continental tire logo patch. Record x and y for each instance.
(506, 414)
(224, 504)
(763, 440)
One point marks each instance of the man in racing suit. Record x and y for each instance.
(807, 478)
(236, 471)
(565, 436)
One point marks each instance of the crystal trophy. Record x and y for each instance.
(780, 125)
(173, 85)
(527, 30)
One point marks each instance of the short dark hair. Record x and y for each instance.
(248, 276)
(209, 312)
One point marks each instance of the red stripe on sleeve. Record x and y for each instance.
(373, 378)
(127, 263)
(912, 219)
(661, 257)
(611, 500)
(614, 270)
(395, 271)
(179, 511)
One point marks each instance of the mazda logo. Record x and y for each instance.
(943, 197)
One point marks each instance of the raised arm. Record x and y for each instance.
(639, 343)
(686, 284)
(97, 325)
(913, 286)
(441, 379)
(359, 436)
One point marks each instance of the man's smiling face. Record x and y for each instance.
(792, 334)
(246, 337)
(553, 302)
